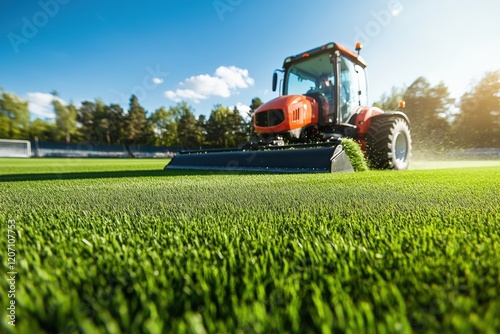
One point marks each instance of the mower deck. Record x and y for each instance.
(288, 159)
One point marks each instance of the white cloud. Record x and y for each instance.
(184, 94)
(157, 81)
(207, 85)
(40, 104)
(225, 82)
(243, 109)
(234, 77)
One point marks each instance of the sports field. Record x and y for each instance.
(121, 246)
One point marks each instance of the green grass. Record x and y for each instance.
(117, 246)
(355, 155)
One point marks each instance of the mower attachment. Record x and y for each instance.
(298, 160)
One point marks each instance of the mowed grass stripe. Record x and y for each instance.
(215, 252)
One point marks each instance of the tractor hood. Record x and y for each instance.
(285, 114)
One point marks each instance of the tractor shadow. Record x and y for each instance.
(112, 175)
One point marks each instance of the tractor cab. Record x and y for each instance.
(331, 77)
(345, 71)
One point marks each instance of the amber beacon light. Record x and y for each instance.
(359, 46)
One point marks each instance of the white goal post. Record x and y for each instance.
(13, 148)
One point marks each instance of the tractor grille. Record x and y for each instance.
(269, 117)
(296, 115)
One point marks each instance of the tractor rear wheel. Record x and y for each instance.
(388, 142)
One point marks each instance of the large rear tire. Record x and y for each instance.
(388, 143)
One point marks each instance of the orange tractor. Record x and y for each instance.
(323, 98)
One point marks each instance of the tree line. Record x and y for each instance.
(99, 123)
(437, 120)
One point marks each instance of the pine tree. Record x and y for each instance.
(478, 124)
(136, 122)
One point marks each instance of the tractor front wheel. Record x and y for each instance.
(389, 143)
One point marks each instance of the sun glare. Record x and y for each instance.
(396, 12)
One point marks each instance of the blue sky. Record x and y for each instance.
(224, 51)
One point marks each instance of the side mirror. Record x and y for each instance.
(275, 81)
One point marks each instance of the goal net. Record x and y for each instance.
(11, 148)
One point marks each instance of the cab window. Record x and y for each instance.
(352, 89)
